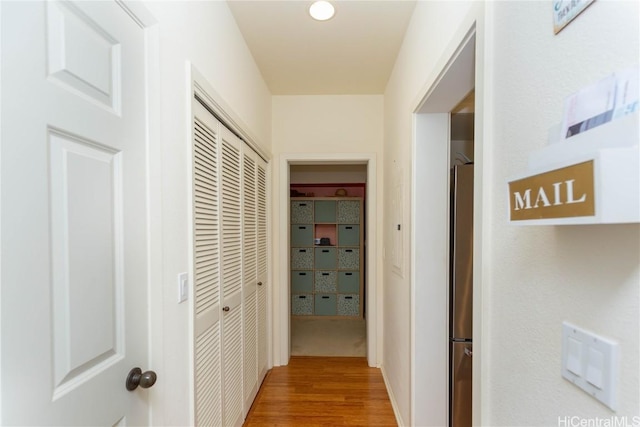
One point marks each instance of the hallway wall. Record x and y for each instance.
(431, 28)
(205, 34)
(320, 124)
(585, 274)
(535, 277)
(588, 275)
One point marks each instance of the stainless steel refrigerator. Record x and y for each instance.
(461, 295)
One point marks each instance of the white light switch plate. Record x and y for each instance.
(590, 362)
(183, 287)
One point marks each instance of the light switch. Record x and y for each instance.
(591, 363)
(595, 366)
(573, 352)
(574, 356)
(183, 287)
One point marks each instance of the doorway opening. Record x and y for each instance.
(328, 316)
(329, 176)
(444, 136)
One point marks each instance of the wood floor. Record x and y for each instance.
(322, 391)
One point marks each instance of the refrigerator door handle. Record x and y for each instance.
(468, 352)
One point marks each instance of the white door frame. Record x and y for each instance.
(445, 87)
(282, 313)
(139, 12)
(145, 19)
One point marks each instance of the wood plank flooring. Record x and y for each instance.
(322, 391)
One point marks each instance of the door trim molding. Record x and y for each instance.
(143, 17)
(281, 314)
(433, 99)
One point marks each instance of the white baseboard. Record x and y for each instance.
(392, 398)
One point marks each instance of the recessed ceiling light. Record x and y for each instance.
(321, 10)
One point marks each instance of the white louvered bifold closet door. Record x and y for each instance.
(231, 250)
(206, 271)
(229, 272)
(261, 211)
(250, 280)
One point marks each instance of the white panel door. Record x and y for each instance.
(74, 214)
(231, 251)
(250, 276)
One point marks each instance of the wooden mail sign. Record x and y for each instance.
(561, 193)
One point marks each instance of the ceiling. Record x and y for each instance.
(352, 53)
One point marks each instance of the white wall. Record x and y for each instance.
(533, 277)
(327, 124)
(205, 34)
(313, 174)
(430, 31)
(319, 125)
(588, 275)
(585, 274)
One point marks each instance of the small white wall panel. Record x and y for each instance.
(86, 231)
(82, 56)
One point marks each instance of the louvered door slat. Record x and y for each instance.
(207, 199)
(250, 349)
(206, 186)
(207, 364)
(261, 308)
(261, 207)
(230, 257)
(205, 141)
(231, 265)
(249, 217)
(232, 350)
(261, 262)
(249, 255)
(206, 271)
(207, 240)
(203, 162)
(207, 268)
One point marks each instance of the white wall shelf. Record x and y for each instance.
(614, 150)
